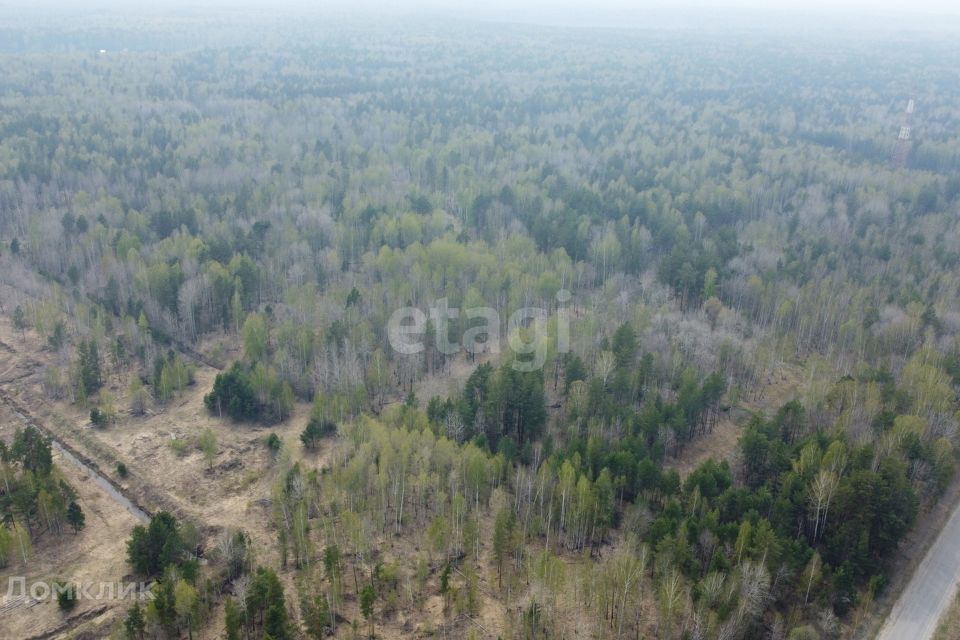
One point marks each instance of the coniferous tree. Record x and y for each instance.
(75, 517)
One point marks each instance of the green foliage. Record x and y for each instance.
(207, 443)
(331, 563)
(445, 579)
(506, 408)
(32, 450)
(179, 446)
(250, 394)
(273, 442)
(176, 604)
(805, 632)
(266, 602)
(90, 377)
(134, 625)
(97, 418)
(315, 430)
(710, 479)
(503, 540)
(624, 345)
(57, 339)
(878, 509)
(233, 394)
(171, 375)
(353, 298)
(19, 318)
(156, 546)
(724, 240)
(66, 595)
(255, 337)
(6, 546)
(33, 497)
(232, 619)
(317, 617)
(75, 517)
(138, 396)
(575, 370)
(368, 597)
(519, 398)
(186, 604)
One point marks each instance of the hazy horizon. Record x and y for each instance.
(502, 7)
(845, 17)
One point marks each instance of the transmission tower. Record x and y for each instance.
(903, 140)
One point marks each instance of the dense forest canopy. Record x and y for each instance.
(724, 212)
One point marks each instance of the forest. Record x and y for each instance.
(751, 327)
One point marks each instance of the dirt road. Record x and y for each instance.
(930, 590)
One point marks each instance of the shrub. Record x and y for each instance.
(315, 430)
(273, 442)
(98, 418)
(66, 595)
(179, 446)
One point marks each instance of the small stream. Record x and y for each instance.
(103, 483)
(108, 487)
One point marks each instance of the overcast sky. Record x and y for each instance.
(847, 6)
(837, 16)
(949, 7)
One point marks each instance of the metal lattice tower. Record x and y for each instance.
(903, 140)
